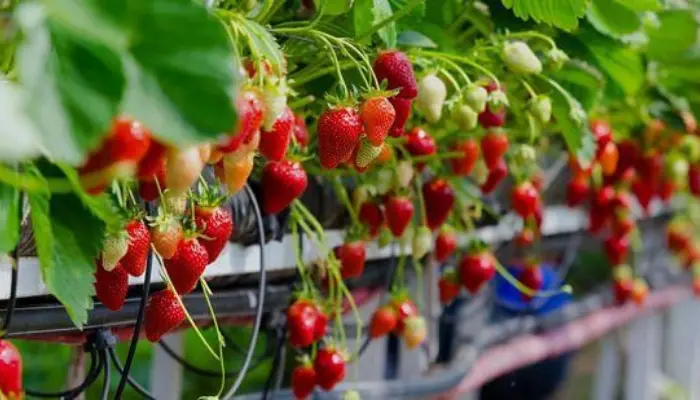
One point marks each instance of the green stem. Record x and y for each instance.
(410, 5)
(535, 35)
(343, 196)
(529, 89)
(207, 292)
(421, 201)
(462, 59)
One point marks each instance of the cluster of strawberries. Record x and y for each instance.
(401, 317)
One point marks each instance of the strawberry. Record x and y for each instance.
(233, 171)
(531, 277)
(352, 258)
(445, 244)
(303, 380)
(448, 286)
(439, 199)
(321, 324)
(402, 108)
(623, 224)
(383, 321)
(274, 143)
(378, 115)
(404, 308)
(275, 99)
(616, 249)
(493, 146)
(463, 165)
(394, 67)
(114, 247)
(628, 156)
(649, 167)
(420, 143)
(525, 237)
(422, 240)
(465, 117)
(339, 131)
(216, 225)
(476, 268)
(163, 314)
(366, 153)
(495, 176)
(431, 97)
(250, 116)
(492, 119)
(399, 212)
(577, 191)
(603, 198)
(302, 317)
(644, 192)
(183, 168)
(640, 292)
(372, 216)
(166, 233)
(601, 132)
(187, 265)
(153, 162)
(404, 173)
(10, 371)
(678, 236)
(300, 132)
(330, 368)
(665, 189)
(520, 59)
(134, 261)
(281, 183)
(111, 286)
(541, 109)
(622, 289)
(415, 331)
(148, 189)
(525, 199)
(696, 287)
(608, 157)
(475, 96)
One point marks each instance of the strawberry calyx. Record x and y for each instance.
(208, 198)
(477, 246)
(381, 92)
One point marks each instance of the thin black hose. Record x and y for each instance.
(261, 297)
(107, 375)
(139, 320)
(12, 301)
(281, 333)
(93, 373)
(135, 385)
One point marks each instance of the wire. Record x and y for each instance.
(108, 375)
(93, 373)
(139, 320)
(275, 362)
(135, 385)
(261, 297)
(12, 301)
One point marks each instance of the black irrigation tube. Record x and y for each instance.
(12, 301)
(281, 333)
(92, 375)
(139, 320)
(107, 375)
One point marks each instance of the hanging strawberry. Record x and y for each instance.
(10, 372)
(439, 199)
(339, 129)
(282, 182)
(476, 267)
(431, 97)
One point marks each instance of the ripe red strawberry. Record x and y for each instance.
(531, 277)
(399, 212)
(321, 324)
(475, 269)
(420, 143)
(463, 166)
(448, 286)
(250, 109)
(300, 132)
(372, 216)
(601, 132)
(495, 176)
(678, 236)
(608, 157)
(383, 321)
(134, 261)
(649, 167)
(644, 192)
(694, 179)
(617, 248)
(281, 183)
(577, 191)
(166, 234)
(492, 119)
(10, 371)
(148, 189)
(623, 224)
(303, 380)
(525, 199)
(378, 116)
(302, 317)
(163, 314)
(187, 265)
(330, 368)
(439, 199)
(153, 162)
(629, 154)
(405, 308)
(352, 258)
(445, 244)
(394, 67)
(339, 131)
(111, 287)
(622, 290)
(402, 108)
(216, 225)
(493, 146)
(274, 143)
(603, 198)
(665, 189)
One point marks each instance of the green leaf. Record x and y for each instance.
(367, 13)
(642, 5)
(73, 84)
(582, 81)
(676, 33)
(612, 18)
(100, 206)
(416, 39)
(577, 136)
(9, 217)
(560, 13)
(337, 7)
(262, 43)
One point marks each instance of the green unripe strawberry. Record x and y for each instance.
(541, 109)
(475, 97)
(520, 59)
(431, 97)
(465, 117)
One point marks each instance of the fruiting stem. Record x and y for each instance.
(207, 292)
(535, 35)
(418, 182)
(462, 59)
(343, 195)
(450, 78)
(314, 73)
(529, 89)
(297, 252)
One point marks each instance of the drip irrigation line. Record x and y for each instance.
(92, 375)
(12, 301)
(139, 319)
(107, 375)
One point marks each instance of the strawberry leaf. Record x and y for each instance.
(9, 217)
(613, 18)
(563, 14)
(367, 13)
(676, 33)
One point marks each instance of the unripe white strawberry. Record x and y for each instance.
(384, 181)
(275, 99)
(422, 242)
(475, 97)
(465, 117)
(415, 331)
(366, 153)
(520, 58)
(183, 168)
(114, 247)
(431, 97)
(497, 100)
(541, 108)
(404, 173)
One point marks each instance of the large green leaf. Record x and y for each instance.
(560, 13)
(577, 136)
(613, 18)
(676, 33)
(73, 84)
(641, 5)
(367, 13)
(582, 81)
(9, 217)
